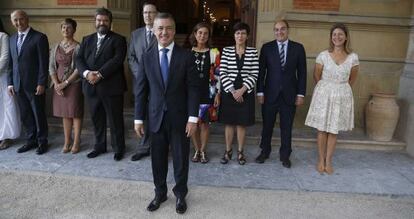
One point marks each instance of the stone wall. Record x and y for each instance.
(405, 127)
(46, 15)
(380, 33)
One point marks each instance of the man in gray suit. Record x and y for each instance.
(142, 39)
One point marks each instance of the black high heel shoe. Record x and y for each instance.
(241, 158)
(227, 156)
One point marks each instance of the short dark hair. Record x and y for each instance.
(69, 21)
(241, 26)
(165, 15)
(193, 40)
(149, 3)
(104, 11)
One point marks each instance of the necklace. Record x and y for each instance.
(65, 45)
(200, 63)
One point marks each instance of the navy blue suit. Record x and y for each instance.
(169, 106)
(280, 87)
(29, 68)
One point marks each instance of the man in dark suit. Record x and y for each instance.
(281, 87)
(169, 82)
(142, 39)
(100, 64)
(29, 57)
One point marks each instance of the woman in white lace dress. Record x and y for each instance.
(9, 112)
(332, 106)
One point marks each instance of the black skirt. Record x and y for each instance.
(232, 112)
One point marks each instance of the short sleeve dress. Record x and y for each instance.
(332, 106)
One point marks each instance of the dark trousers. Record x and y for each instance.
(110, 107)
(175, 138)
(286, 115)
(33, 116)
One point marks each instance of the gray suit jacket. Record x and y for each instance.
(137, 47)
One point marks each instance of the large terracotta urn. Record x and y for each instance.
(381, 115)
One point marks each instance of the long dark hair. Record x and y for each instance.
(198, 26)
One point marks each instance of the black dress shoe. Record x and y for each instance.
(180, 206)
(139, 156)
(26, 147)
(261, 158)
(94, 154)
(156, 202)
(41, 149)
(286, 163)
(118, 156)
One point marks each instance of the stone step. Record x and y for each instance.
(303, 137)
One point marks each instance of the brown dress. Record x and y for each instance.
(70, 105)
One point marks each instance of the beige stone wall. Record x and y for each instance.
(379, 35)
(46, 15)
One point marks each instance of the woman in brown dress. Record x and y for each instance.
(67, 95)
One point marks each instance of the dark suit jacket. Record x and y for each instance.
(30, 67)
(137, 47)
(180, 96)
(109, 62)
(273, 81)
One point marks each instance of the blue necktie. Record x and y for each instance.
(20, 43)
(164, 65)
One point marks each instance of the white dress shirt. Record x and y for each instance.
(170, 47)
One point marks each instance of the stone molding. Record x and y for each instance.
(269, 17)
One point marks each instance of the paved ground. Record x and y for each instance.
(47, 195)
(366, 184)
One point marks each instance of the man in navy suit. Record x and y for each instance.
(168, 82)
(100, 63)
(142, 39)
(29, 57)
(281, 87)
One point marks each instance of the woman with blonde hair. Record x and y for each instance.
(332, 106)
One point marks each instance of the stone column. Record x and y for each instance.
(405, 128)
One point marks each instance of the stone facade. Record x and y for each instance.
(380, 32)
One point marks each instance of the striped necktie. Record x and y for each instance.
(20, 42)
(99, 44)
(282, 55)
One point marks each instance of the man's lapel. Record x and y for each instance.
(25, 42)
(104, 43)
(172, 65)
(155, 68)
(289, 53)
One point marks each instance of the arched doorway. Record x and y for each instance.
(222, 14)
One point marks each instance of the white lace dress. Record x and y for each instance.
(332, 106)
(9, 111)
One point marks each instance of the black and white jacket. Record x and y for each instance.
(229, 71)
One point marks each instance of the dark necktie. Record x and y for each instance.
(148, 37)
(20, 43)
(164, 65)
(282, 55)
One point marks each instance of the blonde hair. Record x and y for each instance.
(347, 44)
